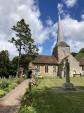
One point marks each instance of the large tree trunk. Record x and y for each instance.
(19, 68)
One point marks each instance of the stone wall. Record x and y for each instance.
(51, 71)
(63, 52)
(75, 68)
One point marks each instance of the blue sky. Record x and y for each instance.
(42, 17)
(49, 9)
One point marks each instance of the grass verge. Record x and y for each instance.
(45, 100)
(6, 85)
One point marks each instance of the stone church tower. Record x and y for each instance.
(62, 51)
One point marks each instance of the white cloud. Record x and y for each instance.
(15, 17)
(82, 16)
(70, 3)
(10, 47)
(75, 46)
(10, 14)
(73, 33)
(73, 29)
(49, 22)
(40, 49)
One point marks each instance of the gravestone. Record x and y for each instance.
(20, 72)
(67, 85)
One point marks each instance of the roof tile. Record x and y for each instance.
(42, 59)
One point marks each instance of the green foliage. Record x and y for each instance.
(80, 54)
(27, 98)
(27, 109)
(4, 63)
(2, 93)
(81, 50)
(25, 59)
(13, 66)
(24, 40)
(4, 84)
(23, 33)
(7, 67)
(4, 58)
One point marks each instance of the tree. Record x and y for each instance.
(81, 50)
(4, 63)
(24, 61)
(13, 66)
(4, 58)
(23, 40)
(80, 54)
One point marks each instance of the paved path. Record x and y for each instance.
(11, 101)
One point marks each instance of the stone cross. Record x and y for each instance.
(67, 85)
(67, 71)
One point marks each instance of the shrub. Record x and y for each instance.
(27, 109)
(2, 93)
(10, 87)
(4, 84)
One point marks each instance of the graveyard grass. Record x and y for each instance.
(6, 85)
(46, 100)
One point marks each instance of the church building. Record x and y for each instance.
(54, 65)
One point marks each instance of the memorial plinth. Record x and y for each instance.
(67, 85)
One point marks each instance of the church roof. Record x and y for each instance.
(63, 44)
(42, 59)
(81, 61)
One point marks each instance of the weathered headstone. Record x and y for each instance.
(67, 85)
(20, 72)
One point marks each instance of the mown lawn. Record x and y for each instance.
(46, 100)
(6, 85)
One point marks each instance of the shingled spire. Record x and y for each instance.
(60, 39)
(60, 36)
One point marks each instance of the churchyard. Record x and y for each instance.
(60, 89)
(48, 97)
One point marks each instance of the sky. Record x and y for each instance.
(42, 17)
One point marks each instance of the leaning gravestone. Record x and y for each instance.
(67, 85)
